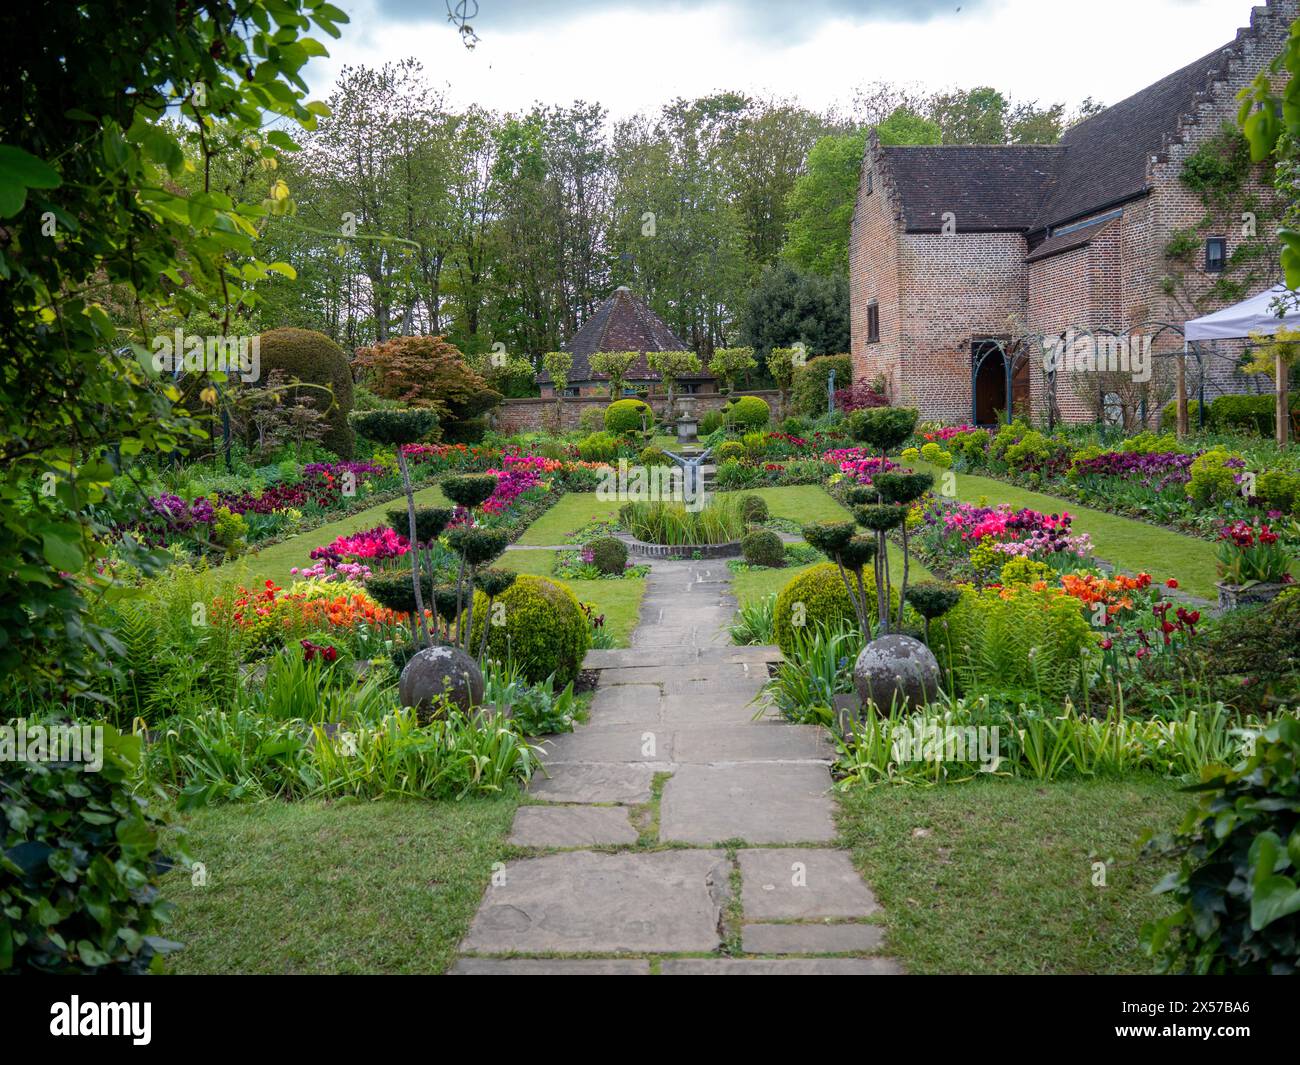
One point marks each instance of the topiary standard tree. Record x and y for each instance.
(429, 524)
(559, 364)
(492, 583)
(672, 366)
(901, 490)
(850, 552)
(614, 365)
(400, 427)
(882, 429)
(477, 546)
(317, 372)
(728, 363)
(932, 599)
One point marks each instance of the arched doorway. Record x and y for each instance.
(988, 382)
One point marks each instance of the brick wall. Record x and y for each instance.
(530, 415)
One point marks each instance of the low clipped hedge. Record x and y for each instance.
(598, 447)
(544, 630)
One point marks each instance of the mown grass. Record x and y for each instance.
(752, 585)
(320, 888)
(996, 876)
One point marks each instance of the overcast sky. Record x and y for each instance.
(633, 55)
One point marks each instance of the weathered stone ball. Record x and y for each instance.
(896, 670)
(440, 670)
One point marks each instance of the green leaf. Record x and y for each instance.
(1274, 897)
(63, 551)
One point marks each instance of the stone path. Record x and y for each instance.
(675, 833)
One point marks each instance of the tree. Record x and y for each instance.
(95, 223)
(615, 365)
(787, 307)
(426, 372)
(672, 366)
(822, 200)
(782, 364)
(559, 364)
(726, 363)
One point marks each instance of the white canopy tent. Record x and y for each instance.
(1253, 315)
(1258, 315)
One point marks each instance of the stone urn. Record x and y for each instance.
(896, 671)
(688, 428)
(437, 671)
(1232, 596)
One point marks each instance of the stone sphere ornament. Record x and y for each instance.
(896, 671)
(440, 670)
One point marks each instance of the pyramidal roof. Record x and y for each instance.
(621, 323)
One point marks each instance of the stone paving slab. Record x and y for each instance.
(762, 802)
(811, 938)
(550, 967)
(756, 742)
(582, 902)
(571, 826)
(689, 712)
(780, 967)
(625, 704)
(796, 883)
(618, 743)
(627, 657)
(594, 782)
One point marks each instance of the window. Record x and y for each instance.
(688, 388)
(873, 323)
(1216, 254)
(571, 391)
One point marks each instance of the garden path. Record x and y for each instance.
(675, 833)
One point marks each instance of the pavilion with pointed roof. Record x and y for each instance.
(622, 323)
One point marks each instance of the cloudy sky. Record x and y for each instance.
(633, 55)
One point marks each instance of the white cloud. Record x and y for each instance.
(634, 57)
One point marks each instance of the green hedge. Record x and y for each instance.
(808, 393)
(311, 357)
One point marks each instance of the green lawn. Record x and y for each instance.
(996, 876)
(619, 601)
(1132, 546)
(572, 512)
(379, 887)
(274, 562)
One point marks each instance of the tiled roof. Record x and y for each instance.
(1106, 155)
(1099, 163)
(986, 187)
(621, 323)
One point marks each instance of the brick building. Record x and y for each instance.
(622, 323)
(958, 254)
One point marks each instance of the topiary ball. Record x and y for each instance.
(542, 629)
(608, 554)
(314, 359)
(749, 412)
(598, 447)
(654, 456)
(625, 416)
(469, 490)
(763, 547)
(815, 597)
(438, 672)
(729, 449)
(753, 509)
